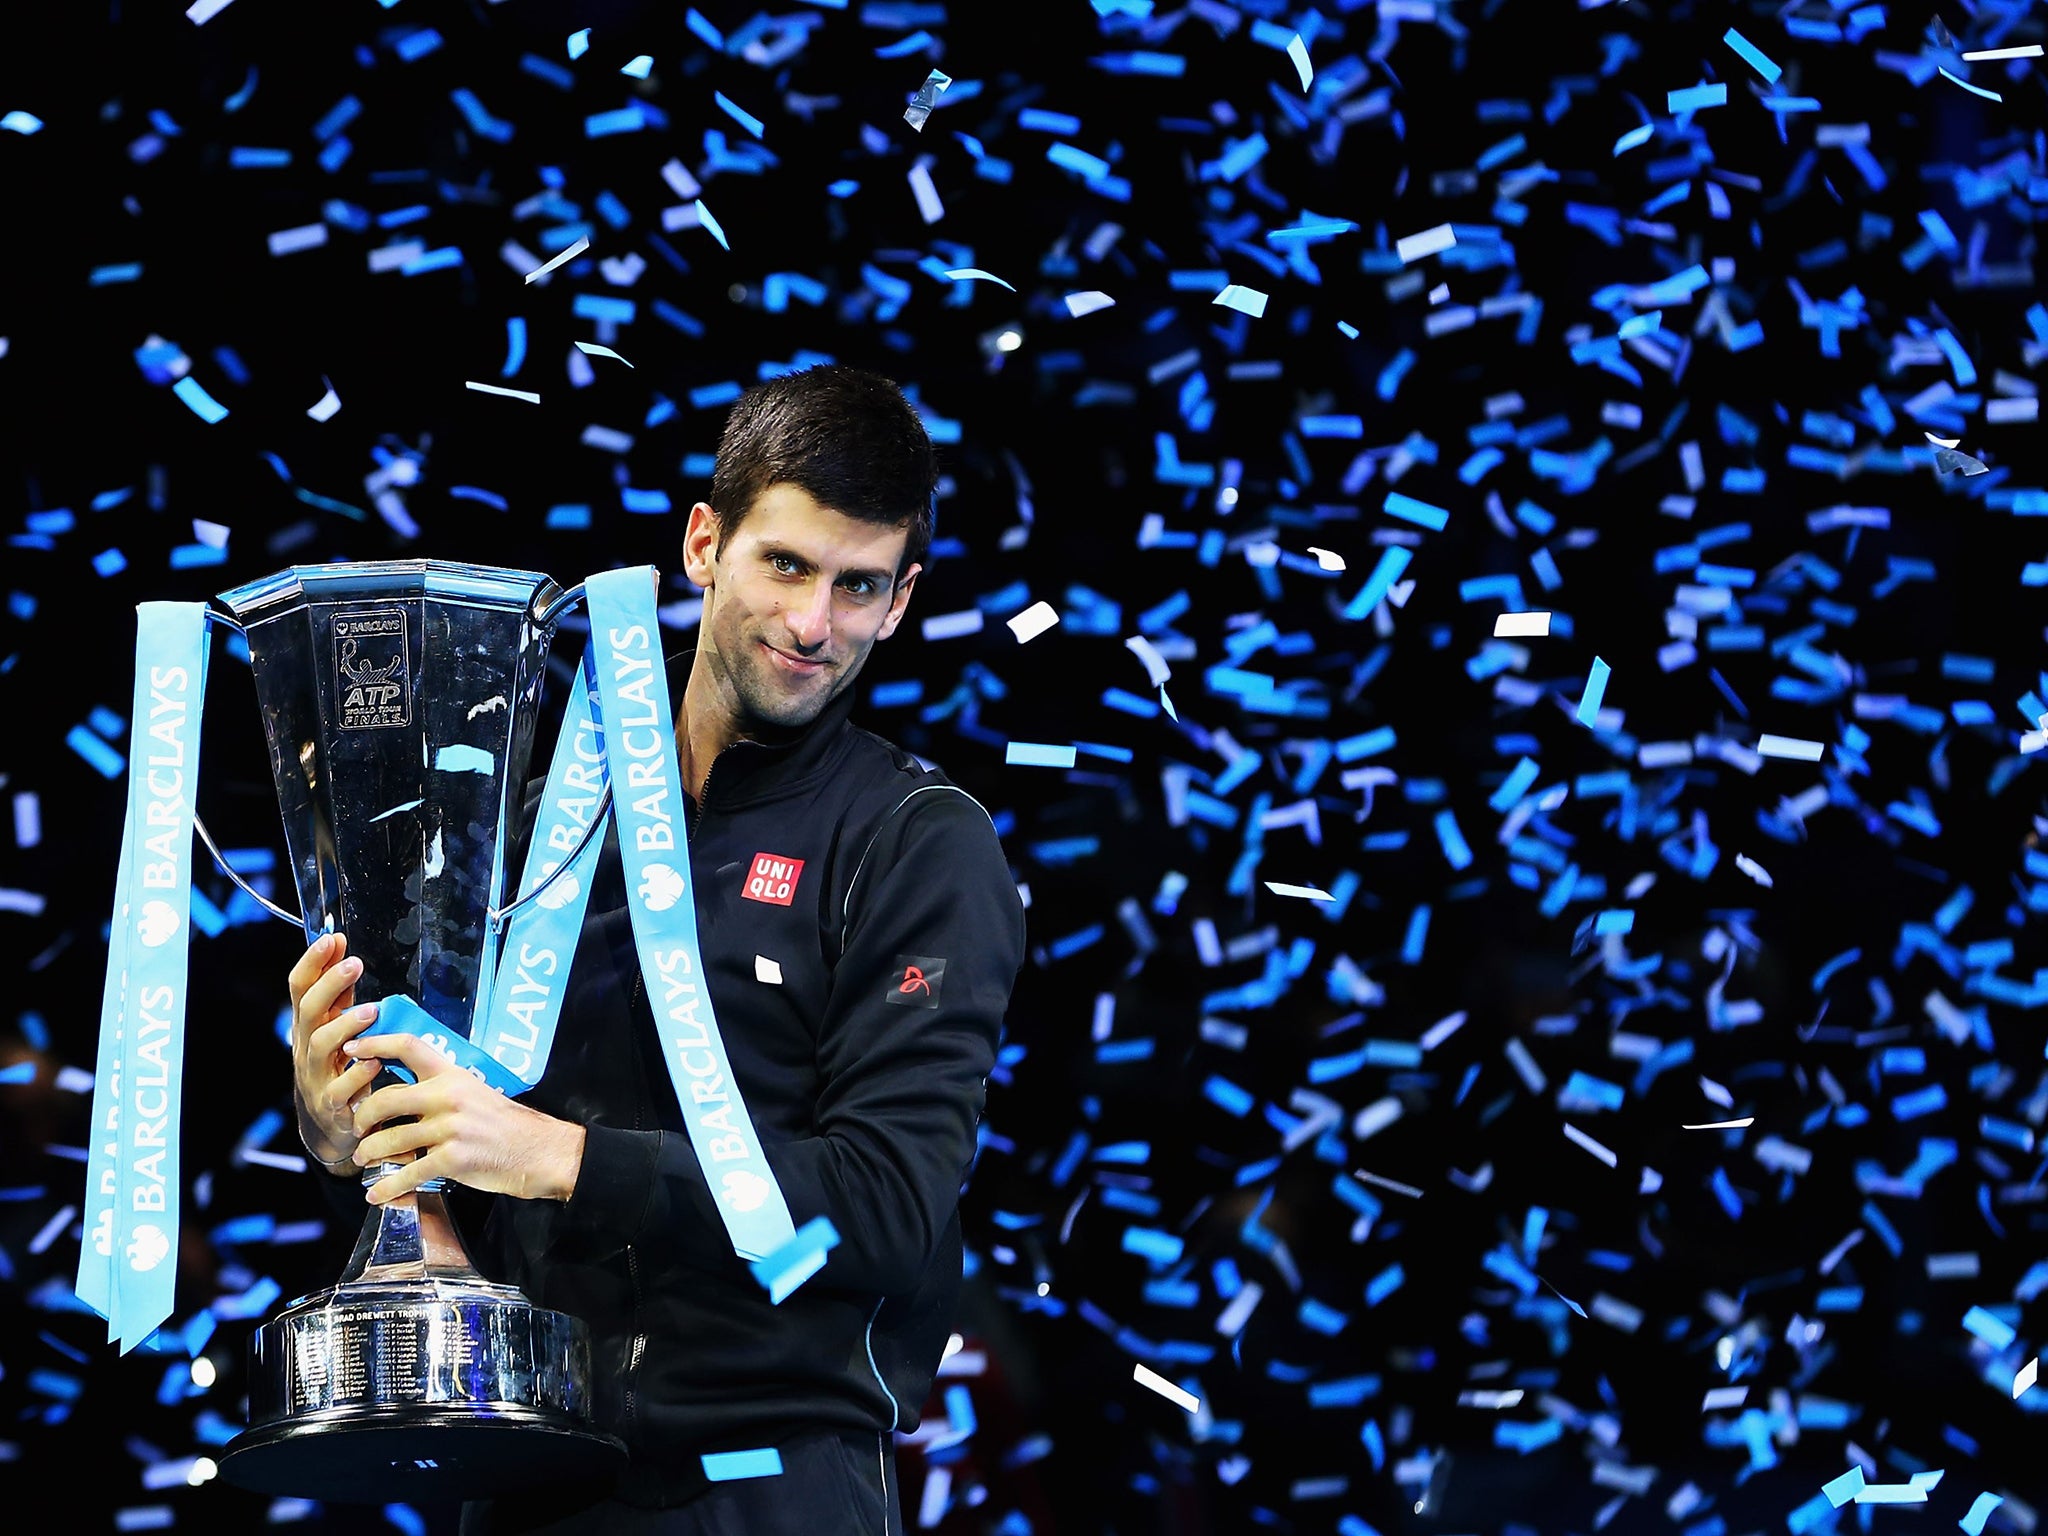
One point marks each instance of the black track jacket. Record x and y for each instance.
(881, 895)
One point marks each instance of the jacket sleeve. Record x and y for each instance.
(903, 1081)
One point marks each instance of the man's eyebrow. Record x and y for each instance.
(878, 578)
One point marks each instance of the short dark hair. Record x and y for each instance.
(848, 437)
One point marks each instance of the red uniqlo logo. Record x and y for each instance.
(773, 879)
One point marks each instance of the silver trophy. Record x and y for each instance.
(400, 700)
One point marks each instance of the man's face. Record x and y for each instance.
(793, 605)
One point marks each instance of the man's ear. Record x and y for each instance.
(899, 602)
(700, 544)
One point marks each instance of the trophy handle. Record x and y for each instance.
(546, 616)
(499, 916)
(213, 848)
(563, 602)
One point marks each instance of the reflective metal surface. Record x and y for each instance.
(404, 1343)
(399, 701)
(443, 1388)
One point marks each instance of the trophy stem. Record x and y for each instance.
(410, 1238)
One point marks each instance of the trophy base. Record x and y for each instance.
(415, 1377)
(414, 1454)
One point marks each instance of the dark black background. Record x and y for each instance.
(79, 419)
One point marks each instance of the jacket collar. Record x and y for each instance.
(750, 770)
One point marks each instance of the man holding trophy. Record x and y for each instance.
(856, 928)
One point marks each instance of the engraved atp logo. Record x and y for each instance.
(772, 878)
(147, 1248)
(915, 981)
(370, 672)
(744, 1190)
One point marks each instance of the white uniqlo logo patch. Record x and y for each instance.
(773, 879)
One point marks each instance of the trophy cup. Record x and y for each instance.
(399, 699)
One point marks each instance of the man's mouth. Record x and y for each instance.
(794, 666)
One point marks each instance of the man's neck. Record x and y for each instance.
(703, 728)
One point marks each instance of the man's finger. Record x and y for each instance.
(321, 953)
(328, 1038)
(393, 1141)
(404, 1181)
(330, 989)
(340, 1095)
(403, 1047)
(355, 1080)
(388, 1104)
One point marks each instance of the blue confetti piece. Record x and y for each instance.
(643, 502)
(1751, 55)
(1974, 90)
(1221, 1091)
(1420, 513)
(1989, 1327)
(629, 119)
(1392, 562)
(1840, 1490)
(802, 1256)
(1030, 754)
(515, 346)
(1456, 851)
(738, 114)
(1693, 98)
(1153, 1245)
(336, 118)
(109, 763)
(734, 1466)
(975, 274)
(202, 405)
(717, 230)
(417, 45)
(1588, 710)
(1246, 301)
(1417, 936)
(1514, 786)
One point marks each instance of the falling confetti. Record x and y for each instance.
(1577, 472)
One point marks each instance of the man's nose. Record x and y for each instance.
(810, 618)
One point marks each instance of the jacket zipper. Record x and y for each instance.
(633, 1263)
(698, 819)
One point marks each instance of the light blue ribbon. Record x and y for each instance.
(128, 1264)
(400, 1015)
(654, 848)
(517, 1030)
